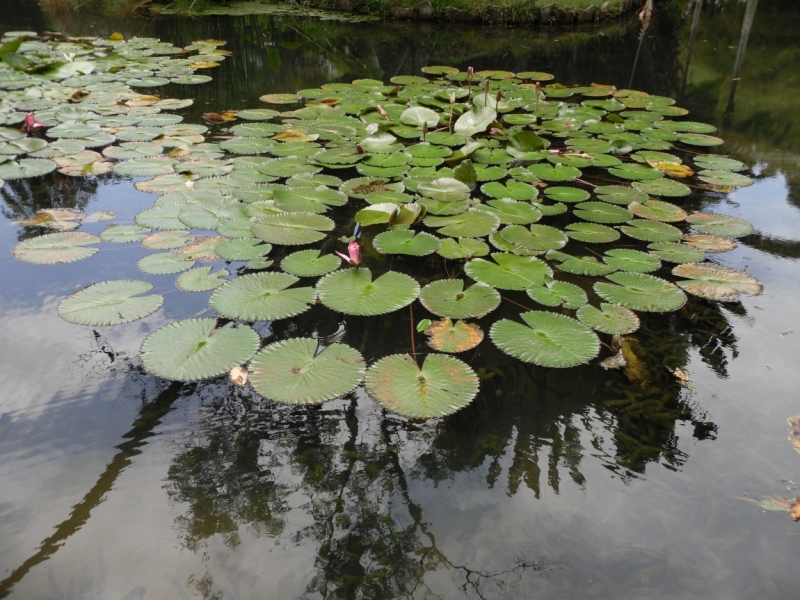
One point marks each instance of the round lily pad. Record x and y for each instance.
(448, 298)
(566, 194)
(609, 318)
(558, 293)
(292, 229)
(718, 163)
(676, 253)
(535, 237)
(56, 248)
(471, 223)
(353, 291)
(546, 339)
(509, 271)
(262, 297)
(716, 282)
(167, 240)
(462, 248)
(124, 234)
(164, 263)
(27, 167)
(651, 231)
(641, 292)
(625, 259)
(592, 233)
(618, 194)
(201, 279)
(405, 241)
(449, 337)
(657, 210)
(197, 349)
(725, 178)
(309, 263)
(722, 225)
(440, 387)
(602, 212)
(110, 303)
(709, 243)
(662, 187)
(242, 249)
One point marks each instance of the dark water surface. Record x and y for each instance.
(552, 484)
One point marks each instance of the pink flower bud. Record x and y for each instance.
(354, 251)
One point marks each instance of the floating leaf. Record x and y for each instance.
(602, 212)
(554, 172)
(651, 231)
(558, 293)
(657, 210)
(717, 282)
(511, 212)
(676, 253)
(471, 223)
(56, 248)
(566, 194)
(725, 178)
(641, 292)
(718, 163)
(110, 303)
(292, 229)
(462, 248)
(536, 237)
(441, 387)
(444, 189)
(145, 167)
(281, 98)
(124, 234)
(313, 200)
(722, 225)
(242, 249)
(404, 241)
(509, 271)
(196, 349)
(417, 115)
(475, 121)
(201, 279)
(353, 292)
(636, 172)
(546, 339)
(709, 243)
(446, 336)
(309, 263)
(592, 233)
(262, 297)
(514, 190)
(609, 318)
(662, 187)
(27, 167)
(448, 298)
(291, 371)
(624, 259)
(618, 194)
(167, 240)
(585, 265)
(164, 263)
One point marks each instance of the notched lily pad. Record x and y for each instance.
(353, 292)
(717, 282)
(56, 248)
(110, 303)
(449, 337)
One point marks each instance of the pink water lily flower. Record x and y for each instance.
(30, 124)
(354, 250)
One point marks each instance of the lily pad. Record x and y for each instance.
(641, 292)
(262, 297)
(56, 248)
(592, 233)
(444, 189)
(676, 253)
(609, 318)
(448, 298)
(404, 241)
(651, 231)
(546, 339)
(509, 271)
(309, 263)
(167, 240)
(110, 303)
(475, 121)
(446, 336)
(625, 259)
(566, 194)
(471, 223)
(292, 229)
(242, 249)
(722, 225)
(439, 388)
(619, 194)
(124, 234)
(548, 172)
(197, 349)
(717, 282)
(725, 178)
(602, 212)
(558, 293)
(709, 243)
(718, 163)
(657, 210)
(535, 237)
(201, 279)
(164, 263)
(353, 292)
(25, 168)
(662, 187)
(292, 372)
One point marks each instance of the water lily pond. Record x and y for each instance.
(307, 307)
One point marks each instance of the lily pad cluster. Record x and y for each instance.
(503, 185)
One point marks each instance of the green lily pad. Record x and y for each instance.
(475, 121)
(546, 339)
(124, 234)
(292, 372)
(449, 337)
(536, 237)
(417, 115)
(718, 163)
(636, 172)
(145, 167)
(609, 318)
(201, 279)
(167, 240)
(558, 293)
(242, 249)
(651, 231)
(618, 194)
(312, 200)
(404, 241)
(56, 248)
(625, 259)
(361, 187)
(462, 248)
(662, 187)
(164, 263)
(25, 168)
(353, 292)
(585, 265)
(471, 223)
(444, 189)
(592, 233)
(602, 212)
(548, 172)
(699, 139)
(676, 253)
(262, 297)
(722, 225)
(515, 190)
(657, 210)
(641, 292)
(292, 229)
(196, 349)
(448, 298)
(509, 271)
(439, 388)
(110, 303)
(309, 263)
(512, 212)
(725, 178)
(566, 194)
(716, 282)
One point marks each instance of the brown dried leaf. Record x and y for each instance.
(794, 432)
(143, 100)
(709, 243)
(672, 169)
(294, 135)
(239, 375)
(616, 361)
(204, 248)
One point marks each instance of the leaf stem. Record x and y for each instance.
(413, 339)
(517, 303)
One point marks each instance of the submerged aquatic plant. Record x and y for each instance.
(525, 187)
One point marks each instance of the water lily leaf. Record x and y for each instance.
(353, 292)
(124, 234)
(709, 243)
(110, 303)
(475, 121)
(722, 225)
(164, 263)
(624, 259)
(602, 212)
(558, 293)
(641, 292)
(511, 212)
(514, 190)
(536, 237)
(27, 167)
(717, 282)
(448, 298)
(417, 115)
(636, 172)
(585, 265)
(262, 297)
(404, 241)
(73, 130)
(287, 167)
(361, 187)
(509, 271)
(196, 349)
(566, 194)
(385, 212)
(309, 263)
(165, 183)
(439, 388)
(471, 223)
(714, 162)
(657, 210)
(201, 279)
(444, 189)
(698, 139)
(145, 167)
(313, 180)
(281, 98)
(546, 339)
(618, 194)
(462, 248)
(292, 229)
(446, 336)
(676, 253)
(56, 248)
(609, 318)
(208, 214)
(247, 145)
(725, 178)
(662, 187)
(548, 172)
(259, 263)
(651, 231)
(291, 371)
(312, 200)
(592, 233)
(242, 249)
(167, 240)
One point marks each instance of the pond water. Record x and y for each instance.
(552, 483)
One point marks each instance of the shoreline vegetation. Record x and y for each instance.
(509, 12)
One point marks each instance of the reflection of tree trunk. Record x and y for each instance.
(698, 8)
(749, 16)
(81, 512)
